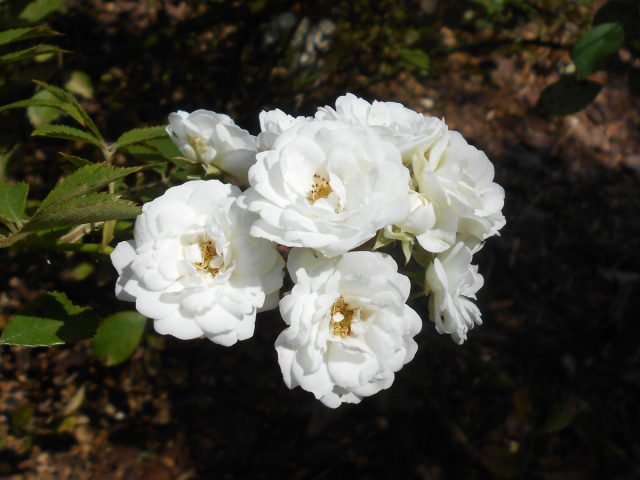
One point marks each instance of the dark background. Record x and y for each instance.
(547, 388)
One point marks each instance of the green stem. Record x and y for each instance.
(96, 248)
(109, 227)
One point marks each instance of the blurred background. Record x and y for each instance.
(548, 388)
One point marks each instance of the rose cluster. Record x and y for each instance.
(205, 258)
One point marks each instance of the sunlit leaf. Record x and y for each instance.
(51, 319)
(139, 135)
(26, 33)
(87, 179)
(89, 208)
(77, 112)
(65, 132)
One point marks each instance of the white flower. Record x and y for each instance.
(349, 327)
(451, 281)
(327, 185)
(272, 124)
(394, 122)
(193, 268)
(453, 195)
(457, 179)
(213, 139)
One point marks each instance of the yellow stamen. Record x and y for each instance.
(320, 188)
(341, 318)
(208, 253)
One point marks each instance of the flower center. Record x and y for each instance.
(341, 318)
(210, 262)
(198, 144)
(320, 188)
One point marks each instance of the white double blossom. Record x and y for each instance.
(453, 193)
(193, 267)
(327, 185)
(457, 179)
(394, 122)
(452, 282)
(213, 139)
(203, 263)
(349, 329)
(272, 124)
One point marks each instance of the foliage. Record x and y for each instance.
(616, 25)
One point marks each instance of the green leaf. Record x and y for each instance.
(38, 9)
(118, 336)
(13, 199)
(598, 43)
(162, 147)
(36, 101)
(568, 95)
(80, 84)
(43, 114)
(73, 108)
(51, 319)
(12, 212)
(415, 58)
(27, 33)
(88, 179)
(29, 53)
(139, 135)
(89, 208)
(32, 331)
(67, 305)
(75, 160)
(66, 133)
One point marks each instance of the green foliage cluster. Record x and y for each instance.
(616, 25)
(87, 198)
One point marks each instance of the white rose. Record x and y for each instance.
(457, 179)
(193, 267)
(451, 281)
(327, 185)
(454, 194)
(394, 122)
(349, 329)
(213, 139)
(272, 124)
